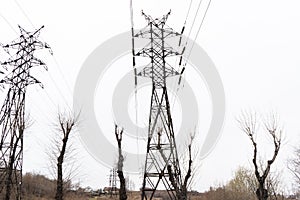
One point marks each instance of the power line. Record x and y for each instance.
(194, 20)
(199, 29)
(197, 33)
(54, 58)
(179, 45)
(135, 82)
(9, 24)
(188, 12)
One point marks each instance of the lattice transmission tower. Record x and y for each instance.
(113, 182)
(161, 145)
(12, 114)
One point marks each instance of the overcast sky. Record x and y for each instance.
(253, 44)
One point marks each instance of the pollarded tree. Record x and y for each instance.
(182, 189)
(249, 125)
(244, 185)
(294, 166)
(61, 152)
(119, 137)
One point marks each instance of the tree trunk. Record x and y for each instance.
(60, 160)
(262, 194)
(59, 185)
(122, 192)
(182, 195)
(8, 181)
(9, 178)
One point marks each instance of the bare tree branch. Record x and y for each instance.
(59, 152)
(294, 166)
(122, 191)
(182, 190)
(248, 124)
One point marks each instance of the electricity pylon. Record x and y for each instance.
(12, 114)
(161, 145)
(113, 182)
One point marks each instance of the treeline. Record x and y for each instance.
(243, 186)
(36, 186)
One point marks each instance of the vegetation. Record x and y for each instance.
(249, 124)
(241, 186)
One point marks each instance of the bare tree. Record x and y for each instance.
(248, 124)
(10, 173)
(294, 166)
(182, 189)
(122, 191)
(244, 185)
(58, 154)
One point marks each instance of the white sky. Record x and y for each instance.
(254, 45)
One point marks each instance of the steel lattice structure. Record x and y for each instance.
(161, 145)
(12, 113)
(113, 182)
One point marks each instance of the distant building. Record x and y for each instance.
(111, 190)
